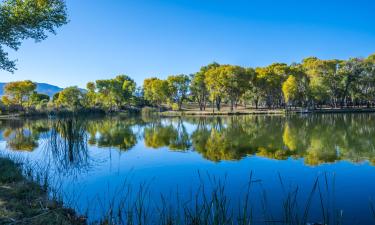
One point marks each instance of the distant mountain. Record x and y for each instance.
(43, 88)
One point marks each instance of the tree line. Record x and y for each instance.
(313, 83)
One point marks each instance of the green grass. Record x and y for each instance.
(23, 201)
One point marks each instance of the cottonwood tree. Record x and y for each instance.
(18, 92)
(155, 91)
(290, 89)
(269, 81)
(70, 98)
(115, 92)
(27, 19)
(198, 86)
(178, 87)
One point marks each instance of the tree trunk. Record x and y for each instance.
(218, 102)
(231, 105)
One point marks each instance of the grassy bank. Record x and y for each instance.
(23, 201)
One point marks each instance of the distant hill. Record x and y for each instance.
(43, 88)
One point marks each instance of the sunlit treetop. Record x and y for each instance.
(27, 19)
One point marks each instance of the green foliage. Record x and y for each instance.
(70, 98)
(309, 84)
(155, 91)
(269, 80)
(198, 86)
(227, 80)
(27, 19)
(178, 87)
(113, 93)
(290, 89)
(36, 98)
(18, 92)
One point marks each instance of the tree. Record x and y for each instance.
(27, 19)
(198, 86)
(269, 80)
(116, 92)
(324, 81)
(215, 87)
(290, 89)
(36, 98)
(227, 80)
(178, 87)
(350, 71)
(70, 98)
(91, 95)
(235, 80)
(19, 91)
(155, 91)
(129, 88)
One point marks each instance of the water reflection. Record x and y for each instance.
(112, 133)
(67, 144)
(170, 133)
(22, 135)
(315, 138)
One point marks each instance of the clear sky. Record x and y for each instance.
(144, 38)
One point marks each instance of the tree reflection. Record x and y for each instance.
(314, 138)
(113, 133)
(22, 135)
(170, 133)
(67, 144)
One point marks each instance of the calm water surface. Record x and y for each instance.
(91, 158)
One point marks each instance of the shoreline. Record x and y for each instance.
(266, 112)
(23, 201)
(197, 112)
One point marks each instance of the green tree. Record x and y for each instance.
(70, 98)
(269, 80)
(19, 91)
(115, 92)
(155, 91)
(178, 87)
(350, 72)
(325, 82)
(236, 81)
(128, 90)
(229, 80)
(290, 89)
(27, 19)
(91, 95)
(36, 98)
(198, 86)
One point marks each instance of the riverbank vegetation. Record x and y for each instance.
(23, 201)
(311, 84)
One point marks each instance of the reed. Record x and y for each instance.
(208, 203)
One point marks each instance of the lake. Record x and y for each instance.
(320, 166)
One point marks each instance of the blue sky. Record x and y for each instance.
(144, 38)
